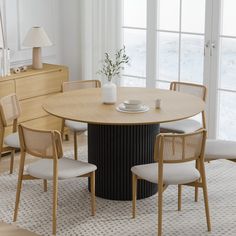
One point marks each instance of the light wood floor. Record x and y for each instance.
(12, 230)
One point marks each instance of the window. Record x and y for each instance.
(185, 40)
(180, 40)
(134, 31)
(227, 72)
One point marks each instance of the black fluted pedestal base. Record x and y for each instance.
(114, 149)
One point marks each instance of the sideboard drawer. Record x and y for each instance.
(32, 108)
(40, 84)
(32, 88)
(7, 87)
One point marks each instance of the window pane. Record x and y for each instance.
(193, 16)
(135, 13)
(227, 116)
(192, 58)
(127, 81)
(168, 56)
(135, 42)
(169, 14)
(228, 64)
(229, 17)
(162, 85)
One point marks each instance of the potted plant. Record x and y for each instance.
(111, 68)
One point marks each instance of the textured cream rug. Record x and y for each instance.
(114, 217)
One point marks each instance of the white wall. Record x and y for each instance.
(81, 31)
(71, 36)
(61, 20)
(20, 16)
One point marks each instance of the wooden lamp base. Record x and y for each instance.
(37, 61)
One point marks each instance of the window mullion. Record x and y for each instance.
(207, 68)
(212, 78)
(151, 46)
(180, 40)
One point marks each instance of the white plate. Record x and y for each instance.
(122, 108)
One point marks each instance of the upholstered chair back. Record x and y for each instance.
(9, 109)
(190, 88)
(40, 143)
(176, 148)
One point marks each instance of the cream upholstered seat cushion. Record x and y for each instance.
(67, 168)
(76, 126)
(177, 173)
(182, 126)
(12, 140)
(220, 149)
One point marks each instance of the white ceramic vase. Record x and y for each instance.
(109, 93)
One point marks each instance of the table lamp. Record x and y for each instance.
(37, 38)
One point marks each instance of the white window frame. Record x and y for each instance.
(211, 57)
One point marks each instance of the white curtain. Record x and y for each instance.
(2, 25)
(100, 33)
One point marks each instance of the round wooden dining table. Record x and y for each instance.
(119, 140)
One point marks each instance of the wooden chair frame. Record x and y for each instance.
(174, 87)
(57, 154)
(158, 156)
(65, 89)
(3, 124)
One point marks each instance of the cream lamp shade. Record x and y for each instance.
(37, 38)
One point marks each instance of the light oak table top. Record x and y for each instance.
(85, 105)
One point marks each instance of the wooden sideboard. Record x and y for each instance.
(32, 88)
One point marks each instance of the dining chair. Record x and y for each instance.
(217, 149)
(220, 149)
(174, 166)
(186, 125)
(9, 114)
(47, 145)
(77, 127)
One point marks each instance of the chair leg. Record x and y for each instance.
(19, 186)
(160, 197)
(54, 214)
(196, 186)
(45, 185)
(1, 142)
(204, 186)
(63, 131)
(62, 128)
(18, 191)
(75, 146)
(179, 197)
(196, 193)
(134, 194)
(92, 187)
(12, 161)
